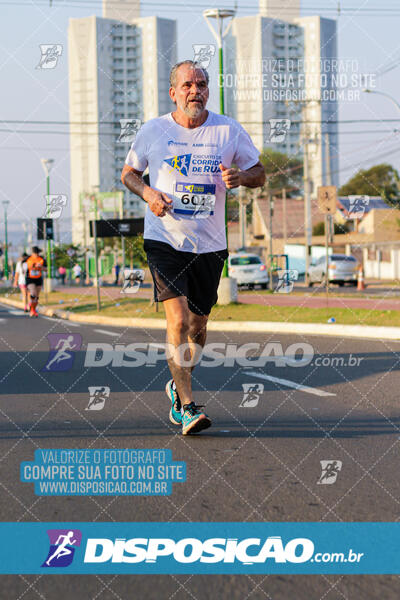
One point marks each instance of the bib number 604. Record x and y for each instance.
(195, 200)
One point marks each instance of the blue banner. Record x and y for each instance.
(192, 548)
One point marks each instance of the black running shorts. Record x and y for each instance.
(176, 273)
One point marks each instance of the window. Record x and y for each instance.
(343, 258)
(245, 260)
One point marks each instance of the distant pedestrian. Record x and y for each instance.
(62, 272)
(20, 279)
(77, 271)
(117, 269)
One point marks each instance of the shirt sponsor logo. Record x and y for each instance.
(174, 143)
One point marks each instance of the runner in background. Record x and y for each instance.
(36, 264)
(77, 272)
(20, 279)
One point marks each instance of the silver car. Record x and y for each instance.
(341, 269)
(248, 270)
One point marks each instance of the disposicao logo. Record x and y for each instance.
(62, 547)
(179, 163)
(63, 347)
(191, 550)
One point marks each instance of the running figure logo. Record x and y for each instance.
(62, 351)
(50, 54)
(179, 163)
(357, 207)
(330, 470)
(285, 284)
(129, 129)
(54, 206)
(251, 396)
(62, 547)
(203, 54)
(278, 130)
(98, 397)
(132, 280)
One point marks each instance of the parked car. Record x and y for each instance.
(248, 270)
(341, 269)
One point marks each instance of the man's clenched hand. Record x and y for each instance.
(158, 202)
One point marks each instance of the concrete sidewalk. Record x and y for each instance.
(333, 329)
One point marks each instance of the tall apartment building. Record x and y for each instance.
(117, 70)
(273, 71)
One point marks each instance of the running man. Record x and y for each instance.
(35, 266)
(20, 279)
(62, 549)
(62, 347)
(189, 154)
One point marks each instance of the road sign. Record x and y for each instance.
(117, 227)
(327, 196)
(41, 233)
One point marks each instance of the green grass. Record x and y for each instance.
(137, 307)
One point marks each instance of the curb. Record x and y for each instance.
(333, 330)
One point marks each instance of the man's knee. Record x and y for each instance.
(197, 326)
(179, 323)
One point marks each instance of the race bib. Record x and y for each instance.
(34, 273)
(195, 200)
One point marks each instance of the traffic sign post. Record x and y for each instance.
(327, 201)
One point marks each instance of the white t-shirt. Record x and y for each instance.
(184, 164)
(20, 270)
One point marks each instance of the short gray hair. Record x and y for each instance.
(195, 65)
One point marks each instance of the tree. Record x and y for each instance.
(380, 180)
(63, 259)
(288, 172)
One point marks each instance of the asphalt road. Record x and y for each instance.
(259, 462)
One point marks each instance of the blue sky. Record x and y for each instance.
(42, 95)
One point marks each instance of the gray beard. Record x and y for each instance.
(193, 111)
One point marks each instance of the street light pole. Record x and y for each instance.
(5, 204)
(47, 164)
(220, 15)
(367, 91)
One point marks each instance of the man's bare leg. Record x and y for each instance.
(184, 327)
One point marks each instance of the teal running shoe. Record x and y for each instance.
(175, 413)
(193, 419)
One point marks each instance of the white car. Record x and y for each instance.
(248, 270)
(341, 269)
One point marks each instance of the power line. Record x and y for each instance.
(346, 11)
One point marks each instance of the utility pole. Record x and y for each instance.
(5, 204)
(271, 214)
(220, 15)
(307, 210)
(284, 217)
(121, 216)
(47, 164)
(328, 217)
(242, 217)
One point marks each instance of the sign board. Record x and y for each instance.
(117, 227)
(45, 229)
(327, 197)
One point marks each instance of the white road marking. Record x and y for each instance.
(113, 333)
(61, 321)
(291, 384)
(17, 313)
